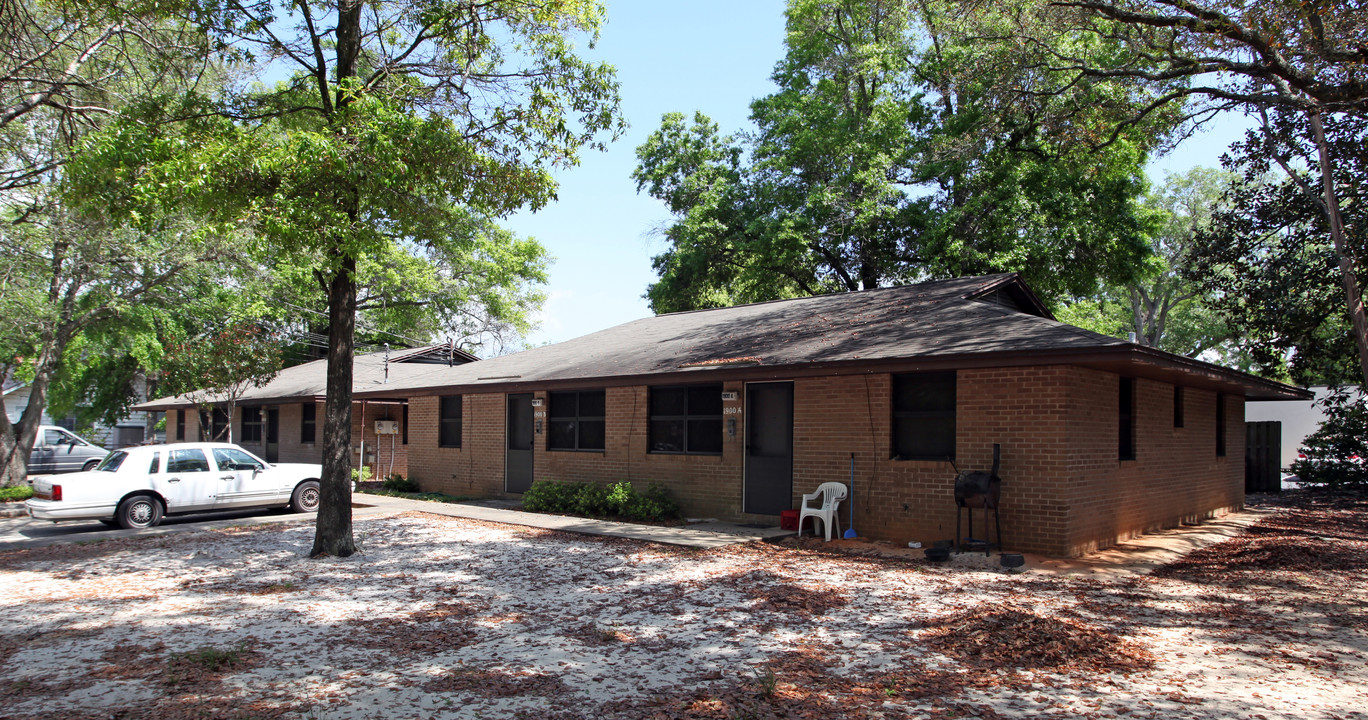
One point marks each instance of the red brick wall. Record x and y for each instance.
(1064, 490)
(905, 500)
(291, 449)
(476, 468)
(706, 485)
(1176, 475)
(384, 453)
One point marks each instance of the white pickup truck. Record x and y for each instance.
(135, 487)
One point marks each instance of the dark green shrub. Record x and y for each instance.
(594, 500)
(1337, 453)
(16, 493)
(399, 483)
(552, 496)
(597, 500)
(655, 503)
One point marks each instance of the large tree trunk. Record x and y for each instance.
(333, 531)
(18, 442)
(1353, 294)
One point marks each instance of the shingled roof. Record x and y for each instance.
(982, 321)
(308, 381)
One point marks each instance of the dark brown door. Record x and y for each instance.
(518, 470)
(769, 448)
(272, 435)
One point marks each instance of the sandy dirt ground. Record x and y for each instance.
(445, 618)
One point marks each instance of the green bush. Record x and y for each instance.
(361, 474)
(1331, 450)
(656, 503)
(553, 497)
(598, 500)
(16, 493)
(399, 483)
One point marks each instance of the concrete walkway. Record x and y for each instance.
(704, 536)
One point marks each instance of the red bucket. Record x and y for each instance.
(788, 520)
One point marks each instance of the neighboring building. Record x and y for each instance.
(1299, 419)
(135, 428)
(741, 410)
(282, 421)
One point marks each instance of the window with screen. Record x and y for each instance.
(924, 416)
(1220, 425)
(449, 422)
(308, 422)
(686, 419)
(1177, 406)
(251, 424)
(576, 420)
(1125, 441)
(180, 425)
(213, 426)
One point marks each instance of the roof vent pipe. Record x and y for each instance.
(1131, 337)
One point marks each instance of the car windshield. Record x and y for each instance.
(112, 462)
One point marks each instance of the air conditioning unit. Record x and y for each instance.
(386, 427)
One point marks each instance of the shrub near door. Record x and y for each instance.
(595, 500)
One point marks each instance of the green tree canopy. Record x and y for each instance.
(1297, 58)
(906, 141)
(1267, 259)
(1160, 305)
(392, 123)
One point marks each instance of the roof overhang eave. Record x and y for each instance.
(1121, 358)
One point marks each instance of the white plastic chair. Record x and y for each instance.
(831, 493)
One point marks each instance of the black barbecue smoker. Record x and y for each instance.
(979, 489)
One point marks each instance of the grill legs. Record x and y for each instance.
(971, 541)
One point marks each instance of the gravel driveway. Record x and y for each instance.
(446, 617)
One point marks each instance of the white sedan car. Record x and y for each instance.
(135, 487)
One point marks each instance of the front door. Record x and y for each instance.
(518, 473)
(273, 435)
(769, 448)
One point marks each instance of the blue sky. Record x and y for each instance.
(703, 55)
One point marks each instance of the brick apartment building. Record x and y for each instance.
(739, 411)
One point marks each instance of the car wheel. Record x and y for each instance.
(138, 512)
(90, 465)
(305, 498)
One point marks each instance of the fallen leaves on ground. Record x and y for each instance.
(445, 617)
(991, 638)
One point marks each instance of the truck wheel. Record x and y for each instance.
(139, 512)
(305, 497)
